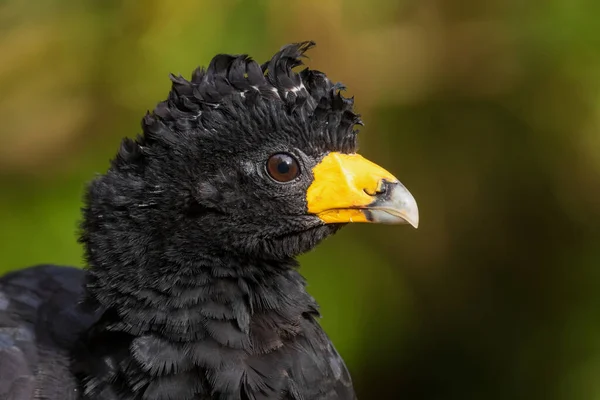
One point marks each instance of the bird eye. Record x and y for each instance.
(282, 167)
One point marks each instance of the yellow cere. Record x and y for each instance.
(341, 187)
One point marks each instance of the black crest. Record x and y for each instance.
(234, 83)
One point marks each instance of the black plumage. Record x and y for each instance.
(192, 289)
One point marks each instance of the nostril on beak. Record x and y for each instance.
(381, 188)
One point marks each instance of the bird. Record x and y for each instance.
(191, 287)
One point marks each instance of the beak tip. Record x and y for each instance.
(397, 207)
(412, 216)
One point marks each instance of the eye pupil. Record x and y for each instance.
(283, 167)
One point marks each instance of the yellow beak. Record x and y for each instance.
(350, 188)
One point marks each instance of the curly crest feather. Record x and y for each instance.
(236, 82)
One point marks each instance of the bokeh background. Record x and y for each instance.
(488, 111)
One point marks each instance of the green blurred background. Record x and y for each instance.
(488, 111)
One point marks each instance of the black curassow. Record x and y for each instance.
(191, 289)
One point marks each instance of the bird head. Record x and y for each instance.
(246, 159)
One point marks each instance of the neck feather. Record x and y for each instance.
(238, 304)
(171, 332)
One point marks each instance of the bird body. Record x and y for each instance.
(192, 290)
